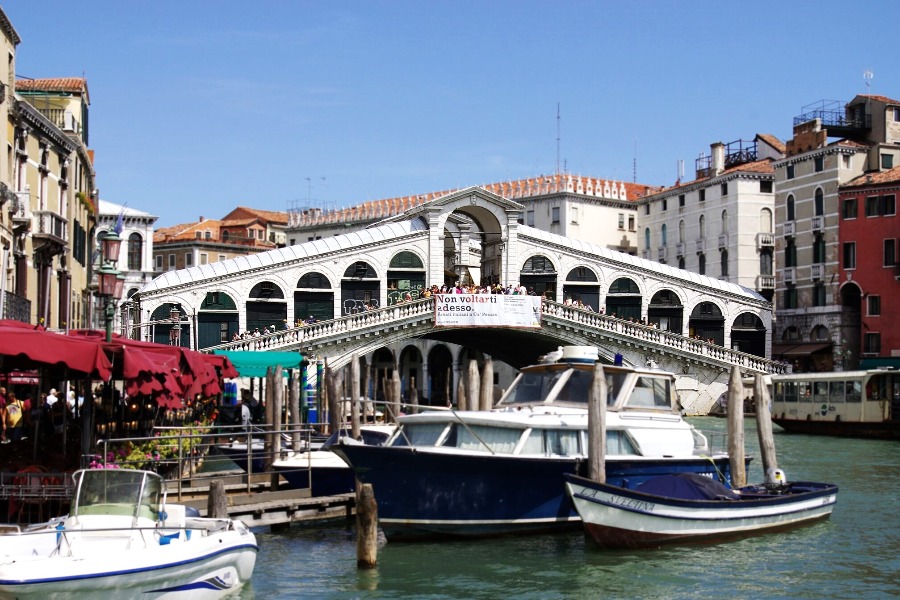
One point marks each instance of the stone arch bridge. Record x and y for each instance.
(365, 291)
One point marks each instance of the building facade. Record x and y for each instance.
(721, 223)
(813, 325)
(869, 269)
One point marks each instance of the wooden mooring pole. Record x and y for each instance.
(217, 502)
(736, 429)
(366, 527)
(764, 429)
(597, 426)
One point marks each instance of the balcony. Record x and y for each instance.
(817, 271)
(680, 249)
(662, 253)
(701, 245)
(646, 254)
(21, 212)
(818, 223)
(765, 282)
(765, 240)
(790, 275)
(723, 241)
(49, 233)
(789, 229)
(16, 308)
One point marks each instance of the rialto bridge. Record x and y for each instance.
(364, 291)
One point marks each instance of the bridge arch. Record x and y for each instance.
(218, 319)
(539, 275)
(748, 334)
(623, 298)
(582, 284)
(314, 297)
(405, 277)
(439, 390)
(707, 322)
(266, 306)
(666, 311)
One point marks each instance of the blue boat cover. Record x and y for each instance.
(687, 486)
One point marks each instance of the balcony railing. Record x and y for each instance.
(723, 241)
(16, 308)
(680, 249)
(663, 253)
(646, 254)
(816, 271)
(789, 229)
(701, 245)
(790, 275)
(765, 282)
(49, 223)
(765, 240)
(818, 223)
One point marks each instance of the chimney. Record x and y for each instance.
(201, 218)
(717, 151)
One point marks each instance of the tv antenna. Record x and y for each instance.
(867, 76)
(557, 139)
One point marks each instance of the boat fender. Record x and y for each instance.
(776, 479)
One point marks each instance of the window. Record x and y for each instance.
(159, 262)
(890, 252)
(897, 114)
(819, 202)
(701, 264)
(207, 235)
(621, 220)
(171, 261)
(819, 163)
(790, 254)
(702, 227)
(188, 260)
(135, 252)
(647, 209)
(222, 257)
(790, 297)
(225, 235)
(849, 255)
(724, 222)
(702, 194)
(765, 221)
(872, 203)
(849, 208)
(819, 249)
(845, 161)
(681, 201)
(681, 231)
(574, 215)
(664, 237)
(680, 262)
(887, 161)
(790, 171)
(819, 295)
(665, 204)
(647, 238)
(554, 215)
(724, 189)
(888, 205)
(765, 261)
(872, 343)
(630, 222)
(765, 187)
(724, 262)
(529, 219)
(204, 258)
(874, 305)
(790, 207)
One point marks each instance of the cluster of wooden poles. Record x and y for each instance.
(735, 397)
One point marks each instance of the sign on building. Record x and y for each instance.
(487, 310)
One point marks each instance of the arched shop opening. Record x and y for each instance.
(538, 275)
(624, 299)
(168, 324)
(707, 323)
(313, 298)
(666, 311)
(581, 284)
(217, 321)
(440, 376)
(406, 275)
(266, 307)
(360, 287)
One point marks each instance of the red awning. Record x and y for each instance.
(25, 347)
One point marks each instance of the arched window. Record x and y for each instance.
(647, 238)
(702, 227)
(790, 207)
(681, 231)
(664, 241)
(135, 252)
(724, 221)
(765, 221)
(724, 262)
(820, 202)
(701, 264)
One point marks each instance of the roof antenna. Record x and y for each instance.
(634, 164)
(557, 139)
(868, 75)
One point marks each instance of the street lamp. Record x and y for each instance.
(175, 332)
(111, 281)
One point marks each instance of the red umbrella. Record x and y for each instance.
(24, 347)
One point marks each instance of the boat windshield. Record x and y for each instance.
(418, 434)
(118, 492)
(534, 387)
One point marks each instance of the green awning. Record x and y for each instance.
(256, 363)
(879, 361)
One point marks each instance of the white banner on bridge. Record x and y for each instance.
(487, 310)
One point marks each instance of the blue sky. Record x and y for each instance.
(198, 106)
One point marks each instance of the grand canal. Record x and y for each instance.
(856, 554)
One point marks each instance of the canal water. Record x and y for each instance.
(855, 554)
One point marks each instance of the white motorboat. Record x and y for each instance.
(123, 540)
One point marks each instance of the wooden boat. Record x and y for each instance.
(685, 507)
(123, 540)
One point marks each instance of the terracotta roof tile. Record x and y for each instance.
(53, 84)
(876, 178)
(773, 141)
(884, 99)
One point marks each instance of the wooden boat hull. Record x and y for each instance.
(616, 517)
(881, 430)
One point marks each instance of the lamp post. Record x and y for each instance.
(111, 281)
(175, 332)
